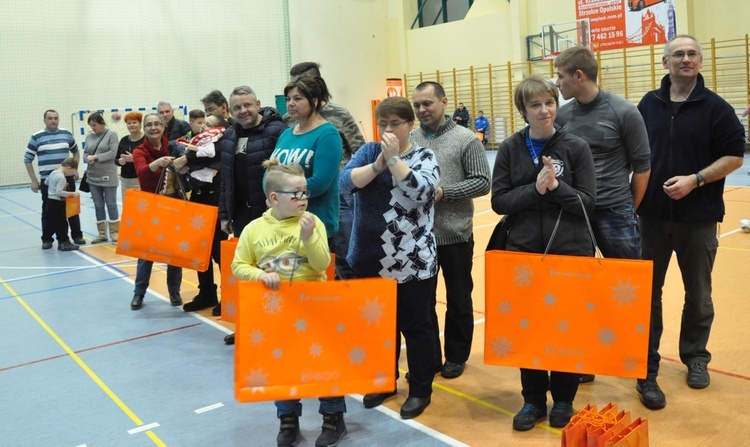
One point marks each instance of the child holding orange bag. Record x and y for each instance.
(288, 243)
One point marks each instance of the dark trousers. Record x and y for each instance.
(56, 210)
(415, 306)
(342, 236)
(48, 227)
(456, 261)
(695, 244)
(535, 383)
(617, 233)
(209, 195)
(243, 215)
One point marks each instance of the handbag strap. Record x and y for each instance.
(597, 252)
(180, 185)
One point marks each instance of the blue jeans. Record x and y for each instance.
(329, 404)
(143, 276)
(105, 195)
(341, 238)
(617, 232)
(695, 245)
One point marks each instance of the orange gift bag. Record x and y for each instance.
(230, 287)
(567, 313)
(575, 314)
(164, 229)
(72, 206)
(315, 339)
(604, 428)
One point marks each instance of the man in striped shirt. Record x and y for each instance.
(51, 146)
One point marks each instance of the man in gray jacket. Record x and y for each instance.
(616, 134)
(464, 175)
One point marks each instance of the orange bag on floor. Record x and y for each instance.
(567, 313)
(164, 229)
(634, 435)
(315, 339)
(592, 428)
(72, 206)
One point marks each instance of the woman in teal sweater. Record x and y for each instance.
(315, 144)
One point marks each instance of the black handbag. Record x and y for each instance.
(84, 186)
(499, 237)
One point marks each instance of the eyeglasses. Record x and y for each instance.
(296, 195)
(680, 55)
(153, 124)
(210, 110)
(393, 124)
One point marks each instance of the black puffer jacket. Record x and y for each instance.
(261, 141)
(532, 216)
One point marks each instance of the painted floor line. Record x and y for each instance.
(208, 408)
(414, 424)
(142, 428)
(108, 391)
(93, 348)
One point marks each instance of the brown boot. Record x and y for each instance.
(114, 229)
(101, 226)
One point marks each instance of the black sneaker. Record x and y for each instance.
(452, 370)
(199, 302)
(586, 378)
(137, 302)
(46, 245)
(697, 376)
(67, 246)
(79, 240)
(216, 312)
(229, 339)
(288, 431)
(334, 429)
(175, 299)
(374, 399)
(560, 414)
(652, 396)
(526, 419)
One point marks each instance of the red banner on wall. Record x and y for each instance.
(619, 24)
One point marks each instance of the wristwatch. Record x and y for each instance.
(700, 179)
(392, 161)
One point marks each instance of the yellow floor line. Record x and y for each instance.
(475, 400)
(83, 366)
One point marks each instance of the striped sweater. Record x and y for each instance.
(464, 175)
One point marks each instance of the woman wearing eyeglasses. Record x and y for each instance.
(101, 173)
(394, 183)
(315, 144)
(150, 158)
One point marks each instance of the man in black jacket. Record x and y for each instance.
(244, 147)
(696, 141)
(173, 128)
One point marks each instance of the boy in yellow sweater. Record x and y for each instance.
(288, 243)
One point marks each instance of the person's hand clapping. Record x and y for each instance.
(390, 145)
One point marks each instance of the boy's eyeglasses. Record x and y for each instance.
(296, 195)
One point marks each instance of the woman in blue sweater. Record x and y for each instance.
(394, 183)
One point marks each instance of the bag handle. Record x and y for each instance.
(162, 179)
(597, 252)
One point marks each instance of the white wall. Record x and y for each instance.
(76, 55)
(349, 39)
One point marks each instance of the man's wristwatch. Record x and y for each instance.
(393, 160)
(700, 179)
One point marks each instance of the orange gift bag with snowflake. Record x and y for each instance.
(158, 228)
(574, 314)
(315, 339)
